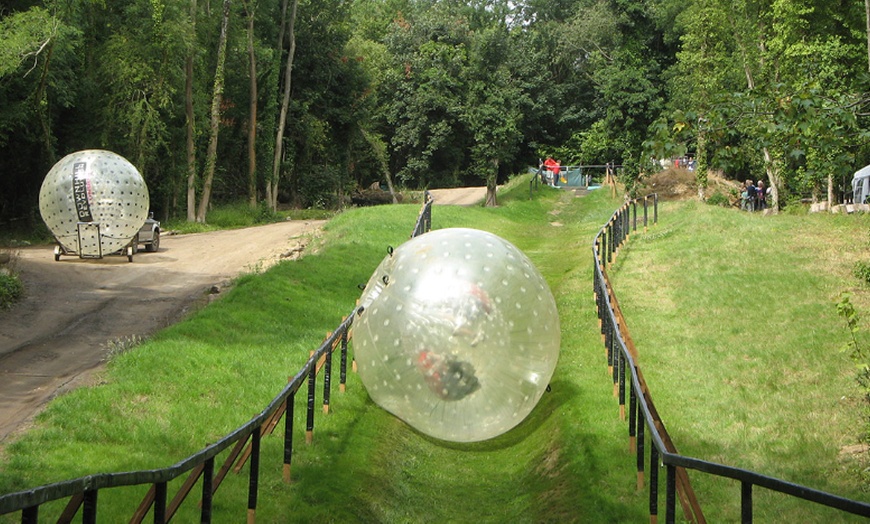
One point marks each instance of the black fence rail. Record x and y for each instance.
(645, 427)
(424, 219)
(244, 441)
(243, 445)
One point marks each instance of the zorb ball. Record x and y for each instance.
(458, 335)
(93, 188)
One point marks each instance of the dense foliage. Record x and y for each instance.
(425, 93)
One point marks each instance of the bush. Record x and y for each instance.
(718, 199)
(11, 288)
(862, 271)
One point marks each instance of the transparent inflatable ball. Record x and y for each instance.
(94, 187)
(458, 335)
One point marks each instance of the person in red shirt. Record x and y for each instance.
(553, 169)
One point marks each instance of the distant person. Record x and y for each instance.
(550, 167)
(557, 170)
(761, 197)
(751, 194)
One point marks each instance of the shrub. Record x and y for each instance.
(856, 350)
(11, 288)
(718, 199)
(264, 214)
(862, 271)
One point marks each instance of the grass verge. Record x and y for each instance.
(735, 317)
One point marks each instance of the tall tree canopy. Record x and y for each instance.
(426, 93)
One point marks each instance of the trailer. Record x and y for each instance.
(861, 186)
(91, 245)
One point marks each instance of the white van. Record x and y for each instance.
(861, 186)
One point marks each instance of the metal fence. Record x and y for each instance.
(424, 219)
(644, 424)
(243, 445)
(244, 441)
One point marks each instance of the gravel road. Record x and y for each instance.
(73, 308)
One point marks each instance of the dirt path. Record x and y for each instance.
(462, 196)
(55, 338)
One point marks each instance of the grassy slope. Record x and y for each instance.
(197, 380)
(567, 462)
(735, 318)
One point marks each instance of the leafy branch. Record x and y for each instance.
(857, 352)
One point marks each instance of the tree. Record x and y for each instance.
(742, 89)
(217, 97)
(491, 106)
(272, 183)
(38, 50)
(424, 93)
(190, 116)
(142, 84)
(250, 9)
(24, 38)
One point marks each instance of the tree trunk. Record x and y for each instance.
(252, 117)
(701, 164)
(283, 24)
(830, 192)
(390, 185)
(41, 104)
(191, 128)
(285, 104)
(772, 170)
(378, 147)
(217, 98)
(867, 16)
(492, 185)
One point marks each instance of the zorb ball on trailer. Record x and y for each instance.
(94, 202)
(458, 335)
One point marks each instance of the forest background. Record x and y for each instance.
(301, 102)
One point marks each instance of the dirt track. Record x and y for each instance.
(73, 308)
(52, 340)
(464, 196)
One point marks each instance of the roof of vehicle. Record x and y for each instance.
(864, 172)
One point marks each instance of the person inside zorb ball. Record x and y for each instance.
(457, 335)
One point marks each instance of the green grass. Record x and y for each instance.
(735, 318)
(569, 460)
(241, 214)
(11, 289)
